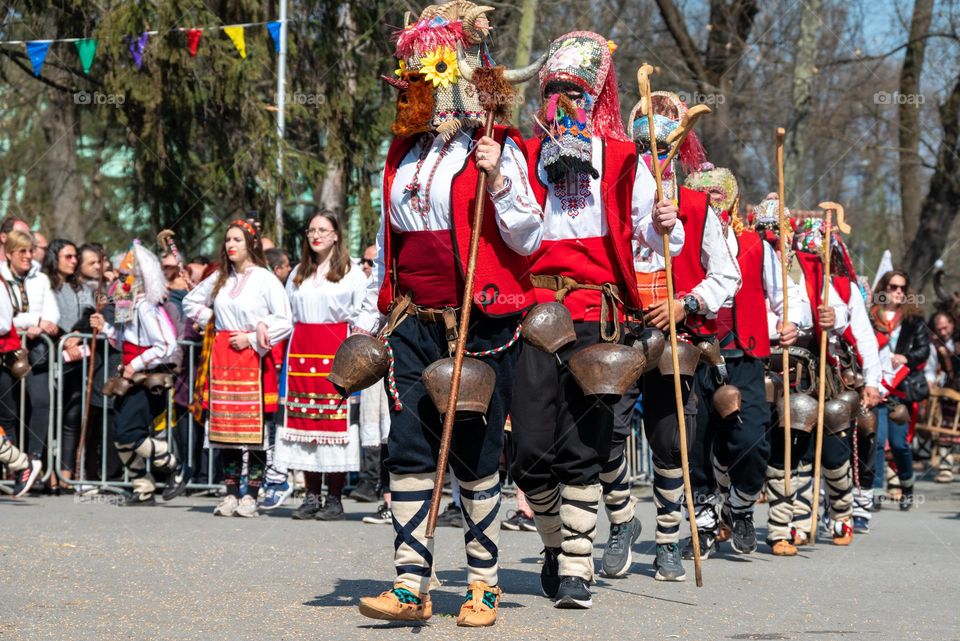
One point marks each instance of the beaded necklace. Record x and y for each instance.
(418, 204)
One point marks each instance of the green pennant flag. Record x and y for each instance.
(86, 48)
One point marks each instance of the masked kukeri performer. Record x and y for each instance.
(855, 358)
(731, 447)
(144, 333)
(429, 182)
(705, 276)
(251, 315)
(326, 292)
(788, 518)
(597, 200)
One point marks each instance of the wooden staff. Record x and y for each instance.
(643, 79)
(787, 434)
(98, 306)
(678, 135)
(821, 388)
(479, 199)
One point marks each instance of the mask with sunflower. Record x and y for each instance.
(433, 96)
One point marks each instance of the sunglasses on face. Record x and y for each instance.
(367, 261)
(895, 288)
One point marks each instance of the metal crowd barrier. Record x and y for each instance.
(7, 486)
(80, 482)
(638, 455)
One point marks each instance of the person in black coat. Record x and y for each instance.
(904, 342)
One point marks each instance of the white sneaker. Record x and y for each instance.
(227, 506)
(247, 507)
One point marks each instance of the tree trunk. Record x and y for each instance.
(525, 32)
(798, 127)
(909, 117)
(939, 208)
(66, 216)
(714, 72)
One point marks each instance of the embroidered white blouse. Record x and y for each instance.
(518, 215)
(255, 296)
(318, 300)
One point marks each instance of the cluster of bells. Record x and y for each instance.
(604, 368)
(155, 382)
(601, 369)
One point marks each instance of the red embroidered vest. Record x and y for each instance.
(501, 282)
(688, 268)
(750, 321)
(594, 260)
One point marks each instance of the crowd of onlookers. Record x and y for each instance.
(54, 287)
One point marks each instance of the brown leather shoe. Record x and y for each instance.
(397, 604)
(480, 608)
(846, 536)
(783, 548)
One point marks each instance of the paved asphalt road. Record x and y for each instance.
(89, 570)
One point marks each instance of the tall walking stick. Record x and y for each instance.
(787, 434)
(462, 331)
(494, 88)
(643, 79)
(98, 306)
(821, 388)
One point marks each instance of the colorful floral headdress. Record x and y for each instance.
(433, 95)
(721, 185)
(250, 229)
(585, 59)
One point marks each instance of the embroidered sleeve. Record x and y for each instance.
(519, 216)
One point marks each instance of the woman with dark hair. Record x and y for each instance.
(326, 292)
(904, 348)
(75, 302)
(251, 314)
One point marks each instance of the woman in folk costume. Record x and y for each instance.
(326, 291)
(705, 276)
(904, 349)
(789, 517)
(597, 201)
(429, 182)
(146, 336)
(730, 451)
(251, 314)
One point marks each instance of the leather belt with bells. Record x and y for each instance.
(403, 306)
(609, 297)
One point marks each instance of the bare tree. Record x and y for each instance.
(911, 186)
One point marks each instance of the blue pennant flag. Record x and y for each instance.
(37, 51)
(274, 29)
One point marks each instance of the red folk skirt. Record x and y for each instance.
(315, 412)
(243, 386)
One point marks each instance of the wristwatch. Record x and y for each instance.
(691, 304)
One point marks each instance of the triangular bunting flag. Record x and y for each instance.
(274, 29)
(193, 41)
(236, 34)
(86, 49)
(137, 47)
(37, 52)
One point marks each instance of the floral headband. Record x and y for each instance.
(245, 225)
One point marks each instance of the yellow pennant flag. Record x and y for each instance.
(236, 35)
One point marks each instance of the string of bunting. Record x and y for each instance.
(87, 47)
